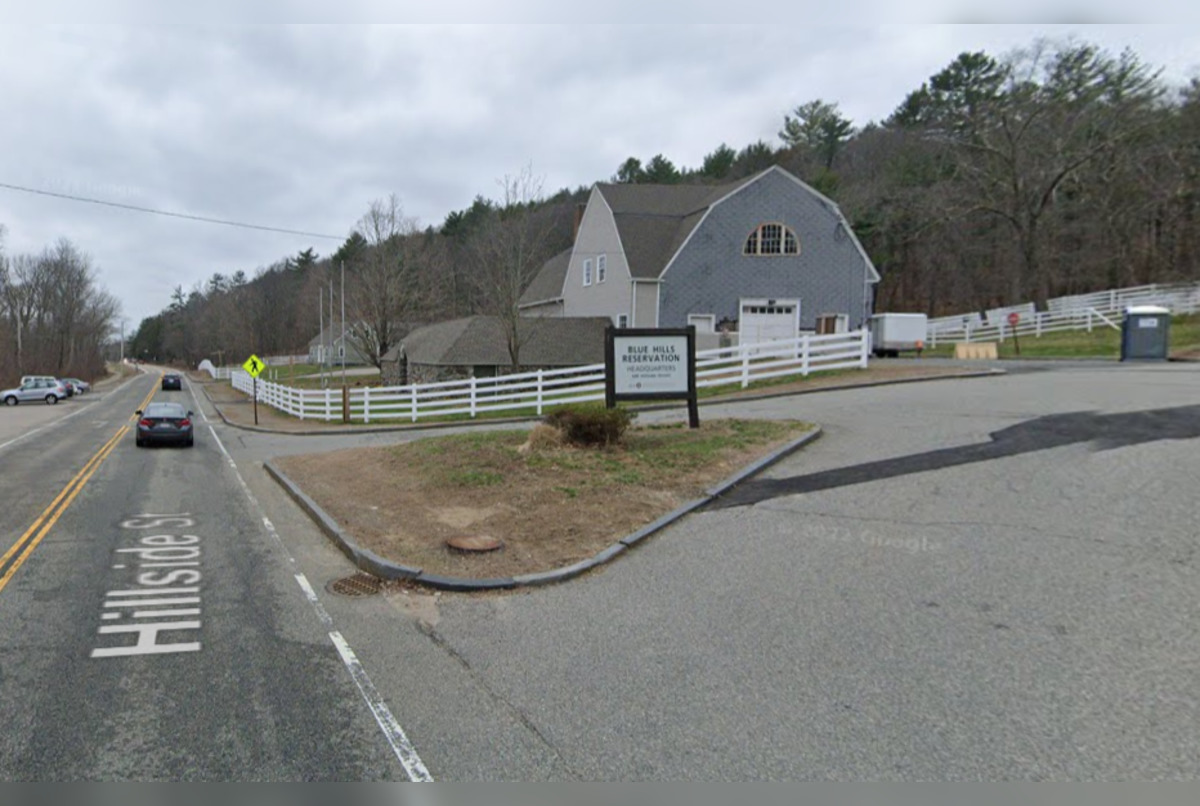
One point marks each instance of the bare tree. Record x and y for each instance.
(1025, 129)
(57, 318)
(509, 250)
(384, 288)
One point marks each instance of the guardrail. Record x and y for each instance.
(539, 390)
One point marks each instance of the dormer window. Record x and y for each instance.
(772, 239)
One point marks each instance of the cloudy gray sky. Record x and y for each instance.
(300, 127)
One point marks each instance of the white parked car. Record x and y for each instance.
(50, 390)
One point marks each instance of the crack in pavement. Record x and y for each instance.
(440, 641)
(1103, 431)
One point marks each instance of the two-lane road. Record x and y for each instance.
(155, 629)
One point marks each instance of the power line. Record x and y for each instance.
(169, 213)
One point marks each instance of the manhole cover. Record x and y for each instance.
(474, 543)
(358, 585)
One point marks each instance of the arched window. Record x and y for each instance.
(772, 239)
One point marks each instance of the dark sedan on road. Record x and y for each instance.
(164, 424)
(172, 380)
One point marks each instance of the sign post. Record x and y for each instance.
(254, 366)
(1013, 319)
(651, 364)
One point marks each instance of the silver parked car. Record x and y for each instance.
(50, 390)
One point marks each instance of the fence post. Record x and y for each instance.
(472, 397)
(413, 387)
(328, 404)
(864, 341)
(540, 392)
(745, 364)
(1037, 322)
(1089, 324)
(804, 348)
(366, 404)
(967, 332)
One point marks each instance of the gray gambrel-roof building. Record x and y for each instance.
(767, 252)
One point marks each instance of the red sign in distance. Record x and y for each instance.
(1013, 318)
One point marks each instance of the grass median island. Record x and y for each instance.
(551, 504)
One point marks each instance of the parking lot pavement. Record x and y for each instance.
(30, 418)
(1031, 614)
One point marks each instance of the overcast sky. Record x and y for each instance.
(300, 127)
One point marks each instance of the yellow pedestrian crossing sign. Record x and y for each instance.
(254, 366)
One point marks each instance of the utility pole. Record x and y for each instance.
(332, 340)
(122, 342)
(321, 335)
(343, 264)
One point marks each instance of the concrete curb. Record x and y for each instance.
(712, 401)
(366, 560)
(385, 569)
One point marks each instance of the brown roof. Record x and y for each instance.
(480, 341)
(653, 222)
(548, 284)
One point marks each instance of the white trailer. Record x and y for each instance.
(892, 333)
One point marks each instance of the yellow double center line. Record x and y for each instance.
(15, 557)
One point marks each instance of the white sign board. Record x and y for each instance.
(650, 364)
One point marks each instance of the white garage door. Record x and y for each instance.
(768, 320)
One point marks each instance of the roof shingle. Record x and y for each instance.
(480, 341)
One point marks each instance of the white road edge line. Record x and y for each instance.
(196, 400)
(395, 734)
(232, 464)
(322, 613)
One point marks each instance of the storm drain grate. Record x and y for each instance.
(360, 584)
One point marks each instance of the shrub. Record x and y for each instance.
(542, 437)
(590, 425)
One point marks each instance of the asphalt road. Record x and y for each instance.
(156, 631)
(961, 580)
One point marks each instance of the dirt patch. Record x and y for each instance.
(551, 507)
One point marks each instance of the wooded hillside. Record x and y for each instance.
(1059, 169)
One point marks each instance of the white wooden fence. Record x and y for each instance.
(534, 392)
(1082, 312)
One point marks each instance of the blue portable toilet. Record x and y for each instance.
(1144, 333)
